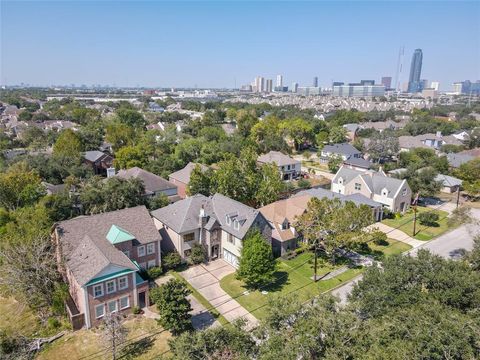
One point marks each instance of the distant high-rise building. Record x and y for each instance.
(414, 84)
(315, 81)
(367, 82)
(259, 84)
(279, 81)
(435, 85)
(294, 87)
(467, 87)
(337, 83)
(269, 86)
(387, 82)
(423, 84)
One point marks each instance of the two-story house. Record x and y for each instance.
(181, 178)
(289, 168)
(101, 256)
(395, 194)
(218, 223)
(345, 151)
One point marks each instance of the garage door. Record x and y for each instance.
(230, 258)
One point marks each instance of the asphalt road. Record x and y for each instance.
(450, 245)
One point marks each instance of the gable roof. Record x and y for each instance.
(85, 246)
(358, 162)
(342, 149)
(357, 199)
(153, 183)
(94, 155)
(455, 160)
(448, 181)
(375, 181)
(183, 175)
(277, 157)
(183, 216)
(118, 235)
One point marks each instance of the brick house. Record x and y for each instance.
(100, 258)
(217, 222)
(181, 178)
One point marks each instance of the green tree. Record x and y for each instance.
(470, 174)
(173, 306)
(130, 156)
(131, 117)
(270, 185)
(20, 187)
(257, 265)
(337, 135)
(334, 163)
(158, 201)
(245, 122)
(68, 144)
(422, 181)
(299, 130)
(330, 224)
(119, 134)
(201, 181)
(382, 145)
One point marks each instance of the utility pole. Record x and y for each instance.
(458, 195)
(315, 265)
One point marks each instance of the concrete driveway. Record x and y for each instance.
(205, 278)
(398, 235)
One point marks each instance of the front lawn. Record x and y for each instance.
(146, 340)
(405, 224)
(380, 252)
(292, 276)
(16, 318)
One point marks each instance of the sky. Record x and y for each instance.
(228, 43)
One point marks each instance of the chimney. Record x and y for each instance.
(110, 172)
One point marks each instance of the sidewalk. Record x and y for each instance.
(205, 278)
(398, 235)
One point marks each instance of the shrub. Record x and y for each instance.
(428, 218)
(136, 310)
(303, 184)
(380, 238)
(198, 254)
(154, 272)
(171, 260)
(53, 323)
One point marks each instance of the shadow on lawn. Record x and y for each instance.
(137, 348)
(281, 279)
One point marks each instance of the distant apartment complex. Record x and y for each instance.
(366, 88)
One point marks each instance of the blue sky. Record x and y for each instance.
(215, 44)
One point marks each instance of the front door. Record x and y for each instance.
(141, 299)
(214, 251)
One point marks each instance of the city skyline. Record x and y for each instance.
(136, 44)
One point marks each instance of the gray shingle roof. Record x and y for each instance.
(183, 175)
(86, 249)
(278, 158)
(342, 149)
(153, 183)
(455, 160)
(357, 199)
(183, 216)
(448, 181)
(359, 162)
(93, 155)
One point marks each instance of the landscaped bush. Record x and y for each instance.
(154, 272)
(428, 219)
(136, 310)
(171, 260)
(198, 254)
(380, 238)
(303, 184)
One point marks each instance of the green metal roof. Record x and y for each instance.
(139, 279)
(118, 235)
(109, 276)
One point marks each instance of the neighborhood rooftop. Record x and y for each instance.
(276, 157)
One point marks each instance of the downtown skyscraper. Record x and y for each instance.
(414, 83)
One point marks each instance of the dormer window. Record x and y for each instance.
(285, 225)
(228, 220)
(236, 225)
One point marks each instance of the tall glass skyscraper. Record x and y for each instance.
(414, 84)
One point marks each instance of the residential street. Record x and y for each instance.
(448, 245)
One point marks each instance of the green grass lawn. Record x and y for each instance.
(16, 318)
(405, 224)
(292, 276)
(380, 252)
(145, 340)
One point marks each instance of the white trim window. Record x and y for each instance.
(97, 290)
(112, 306)
(99, 311)
(151, 263)
(110, 286)
(230, 238)
(123, 283)
(150, 248)
(124, 302)
(228, 220)
(236, 225)
(141, 250)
